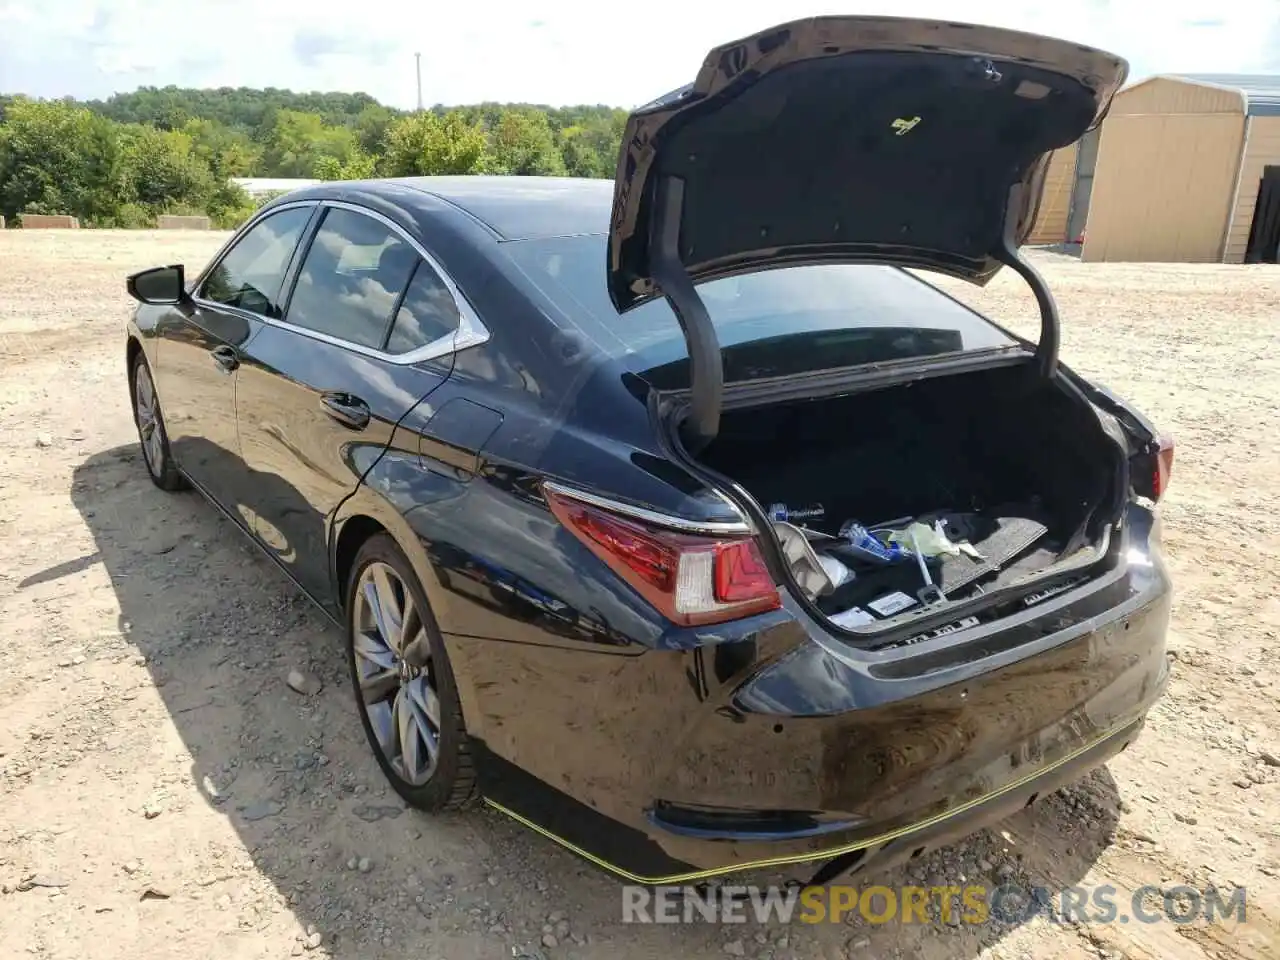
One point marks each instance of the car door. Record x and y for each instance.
(368, 332)
(200, 351)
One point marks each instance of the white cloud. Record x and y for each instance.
(553, 51)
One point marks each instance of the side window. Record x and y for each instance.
(250, 275)
(351, 279)
(428, 312)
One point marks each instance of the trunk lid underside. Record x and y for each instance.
(852, 139)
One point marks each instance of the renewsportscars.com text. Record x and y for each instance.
(970, 904)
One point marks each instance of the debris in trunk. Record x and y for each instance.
(864, 545)
(813, 577)
(999, 476)
(891, 603)
(781, 512)
(853, 617)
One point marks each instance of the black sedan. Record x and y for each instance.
(672, 516)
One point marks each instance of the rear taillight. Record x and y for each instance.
(690, 578)
(1153, 469)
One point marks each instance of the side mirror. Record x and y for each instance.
(159, 285)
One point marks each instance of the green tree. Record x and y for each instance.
(163, 170)
(57, 157)
(297, 140)
(359, 167)
(123, 160)
(229, 205)
(426, 144)
(371, 125)
(226, 152)
(590, 144)
(238, 108)
(522, 143)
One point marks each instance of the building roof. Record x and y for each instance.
(1260, 92)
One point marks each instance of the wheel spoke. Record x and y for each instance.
(376, 668)
(406, 735)
(415, 647)
(374, 603)
(382, 719)
(392, 621)
(428, 702)
(418, 745)
(409, 624)
(155, 448)
(145, 392)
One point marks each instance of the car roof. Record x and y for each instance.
(518, 208)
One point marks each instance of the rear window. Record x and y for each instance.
(769, 323)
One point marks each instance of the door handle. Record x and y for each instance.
(347, 410)
(226, 357)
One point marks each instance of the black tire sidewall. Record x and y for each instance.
(438, 792)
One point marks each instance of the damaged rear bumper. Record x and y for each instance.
(780, 747)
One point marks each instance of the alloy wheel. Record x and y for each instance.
(395, 674)
(147, 412)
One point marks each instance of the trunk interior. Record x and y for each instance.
(1010, 463)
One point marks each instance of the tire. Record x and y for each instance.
(152, 436)
(404, 657)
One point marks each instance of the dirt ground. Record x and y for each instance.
(164, 793)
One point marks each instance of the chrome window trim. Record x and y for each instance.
(471, 332)
(714, 527)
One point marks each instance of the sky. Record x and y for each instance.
(536, 51)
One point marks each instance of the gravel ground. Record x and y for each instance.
(164, 793)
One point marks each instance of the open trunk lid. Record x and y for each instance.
(846, 139)
(852, 139)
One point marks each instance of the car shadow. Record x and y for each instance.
(221, 629)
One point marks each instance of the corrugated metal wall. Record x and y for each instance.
(1164, 183)
(1163, 95)
(1055, 204)
(1263, 149)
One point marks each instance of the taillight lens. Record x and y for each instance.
(690, 579)
(1153, 469)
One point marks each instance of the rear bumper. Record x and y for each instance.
(779, 746)
(921, 838)
(894, 846)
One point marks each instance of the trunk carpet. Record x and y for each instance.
(1012, 536)
(1000, 539)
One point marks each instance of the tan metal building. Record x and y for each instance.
(1188, 170)
(1055, 202)
(1068, 183)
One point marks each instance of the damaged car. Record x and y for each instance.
(678, 517)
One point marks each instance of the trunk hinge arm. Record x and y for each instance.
(1009, 254)
(706, 366)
